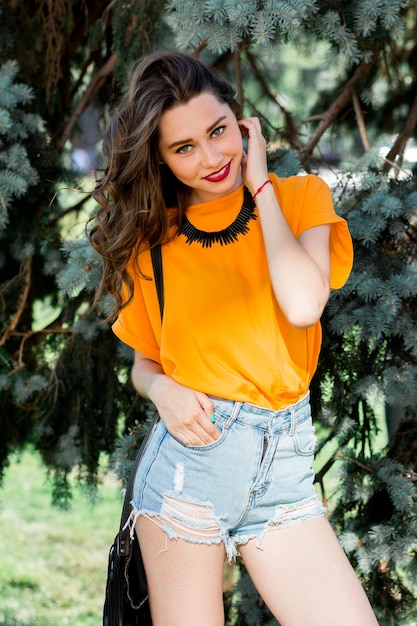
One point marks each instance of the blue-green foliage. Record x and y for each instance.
(23, 387)
(340, 36)
(378, 305)
(371, 14)
(285, 162)
(16, 172)
(251, 609)
(371, 352)
(225, 24)
(379, 533)
(83, 270)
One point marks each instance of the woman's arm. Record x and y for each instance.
(299, 268)
(185, 412)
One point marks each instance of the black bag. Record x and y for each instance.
(126, 601)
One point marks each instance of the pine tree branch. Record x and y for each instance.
(94, 86)
(401, 140)
(360, 121)
(318, 478)
(358, 463)
(55, 327)
(52, 16)
(338, 105)
(39, 333)
(27, 271)
(196, 52)
(72, 209)
(291, 132)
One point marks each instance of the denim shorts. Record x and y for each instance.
(256, 477)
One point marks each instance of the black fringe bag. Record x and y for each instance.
(126, 600)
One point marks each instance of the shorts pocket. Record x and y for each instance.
(222, 423)
(304, 438)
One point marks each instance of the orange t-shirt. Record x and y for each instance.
(223, 332)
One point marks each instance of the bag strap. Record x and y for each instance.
(123, 544)
(123, 538)
(156, 255)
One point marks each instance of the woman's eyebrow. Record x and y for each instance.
(182, 142)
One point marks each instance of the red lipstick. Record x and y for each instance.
(221, 174)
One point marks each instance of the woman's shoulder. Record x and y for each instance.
(301, 193)
(298, 182)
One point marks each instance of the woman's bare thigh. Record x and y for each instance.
(185, 579)
(305, 578)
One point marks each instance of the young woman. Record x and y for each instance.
(248, 261)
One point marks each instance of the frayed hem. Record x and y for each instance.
(285, 516)
(171, 532)
(135, 513)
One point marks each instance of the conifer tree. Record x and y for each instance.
(60, 368)
(64, 379)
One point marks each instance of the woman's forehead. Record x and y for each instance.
(198, 115)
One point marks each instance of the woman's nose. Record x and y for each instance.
(211, 156)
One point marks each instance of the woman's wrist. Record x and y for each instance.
(261, 188)
(155, 386)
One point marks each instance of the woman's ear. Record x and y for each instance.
(243, 130)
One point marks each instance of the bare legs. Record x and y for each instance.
(304, 577)
(301, 572)
(185, 579)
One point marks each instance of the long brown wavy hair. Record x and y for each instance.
(135, 190)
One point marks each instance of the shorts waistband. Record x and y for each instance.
(290, 409)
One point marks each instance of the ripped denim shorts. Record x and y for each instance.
(256, 477)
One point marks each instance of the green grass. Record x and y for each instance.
(53, 563)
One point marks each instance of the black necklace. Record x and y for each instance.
(229, 234)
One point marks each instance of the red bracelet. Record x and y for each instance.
(260, 188)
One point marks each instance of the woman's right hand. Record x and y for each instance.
(184, 411)
(254, 160)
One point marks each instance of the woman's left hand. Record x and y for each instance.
(254, 161)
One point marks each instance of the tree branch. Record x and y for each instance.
(25, 294)
(401, 141)
(338, 105)
(32, 333)
(318, 478)
(291, 132)
(94, 86)
(360, 120)
(71, 209)
(358, 463)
